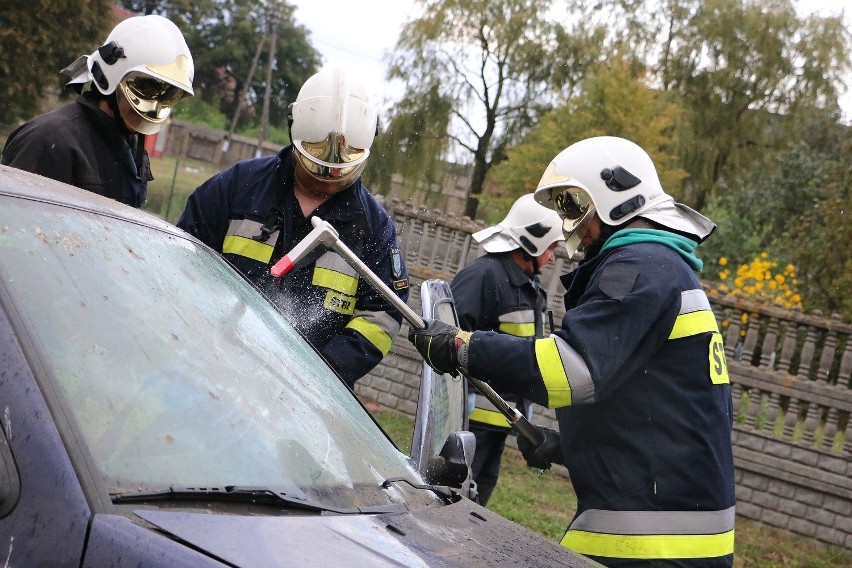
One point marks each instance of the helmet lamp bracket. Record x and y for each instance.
(111, 52)
(619, 179)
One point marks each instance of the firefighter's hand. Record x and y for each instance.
(549, 452)
(443, 346)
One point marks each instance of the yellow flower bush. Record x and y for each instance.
(761, 280)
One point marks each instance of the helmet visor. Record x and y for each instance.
(154, 90)
(572, 203)
(150, 98)
(332, 157)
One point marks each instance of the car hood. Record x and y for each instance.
(461, 534)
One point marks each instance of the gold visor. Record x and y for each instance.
(332, 157)
(150, 98)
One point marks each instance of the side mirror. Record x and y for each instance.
(452, 466)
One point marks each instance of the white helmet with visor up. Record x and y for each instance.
(617, 179)
(528, 226)
(145, 61)
(333, 124)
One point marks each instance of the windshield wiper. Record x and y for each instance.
(441, 490)
(247, 494)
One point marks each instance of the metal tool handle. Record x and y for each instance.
(324, 233)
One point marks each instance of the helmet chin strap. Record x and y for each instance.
(536, 269)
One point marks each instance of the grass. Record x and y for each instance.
(174, 179)
(546, 503)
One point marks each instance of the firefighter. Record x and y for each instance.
(636, 373)
(500, 291)
(127, 89)
(257, 210)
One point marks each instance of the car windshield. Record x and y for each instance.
(177, 372)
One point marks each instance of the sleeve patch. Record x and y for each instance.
(617, 280)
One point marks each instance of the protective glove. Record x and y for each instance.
(443, 346)
(549, 452)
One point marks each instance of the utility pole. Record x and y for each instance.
(241, 96)
(273, 43)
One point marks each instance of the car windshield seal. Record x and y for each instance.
(246, 494)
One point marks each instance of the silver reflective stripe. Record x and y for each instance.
(693, 301)
(333, 261)
(380, 319)
(520, 316)
(579, 377)
(654, 522)
(248, 229)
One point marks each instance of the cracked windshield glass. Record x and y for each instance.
(178, 374)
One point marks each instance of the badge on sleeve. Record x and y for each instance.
(399, 283)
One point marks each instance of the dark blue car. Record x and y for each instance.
(156, 410)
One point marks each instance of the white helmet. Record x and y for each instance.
(333, 124)
(528, 226)
(146, 62)
(617, 179)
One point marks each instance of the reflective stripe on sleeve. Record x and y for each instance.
(552, 373)
(239, 241)
(693, 324)
(378, 328)
(332, 271)
(520, 323)
(652, 534)
(579, 376)
(248, 248)
(695, 315)
(334, 280)
(490, 417)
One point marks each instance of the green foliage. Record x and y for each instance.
(746, 70)
(797, 209)
(37, 40)
(484, 66)
(225, 35)
(198, 111)
(612, 102)
(411, 145)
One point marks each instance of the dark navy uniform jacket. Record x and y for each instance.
(639, 380)
(81, 145)
(250, 214)
(494, 294)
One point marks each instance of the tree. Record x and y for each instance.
(35, 48)
(797, 212)
(223, 35)
(612, 102)
(744, 68)
(482, 69)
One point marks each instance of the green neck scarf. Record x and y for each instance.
(683, 246)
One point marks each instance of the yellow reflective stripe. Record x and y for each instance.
(650, 546)
(334, 280)
(552, 373)
(718, 365)
(518, 329)
(694, 323)
(489, 417)
(340, 303)
(372, 333)
(249, 248)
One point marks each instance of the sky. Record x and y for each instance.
(361, 34)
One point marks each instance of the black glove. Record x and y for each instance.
(439, 344)
(550, 451)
